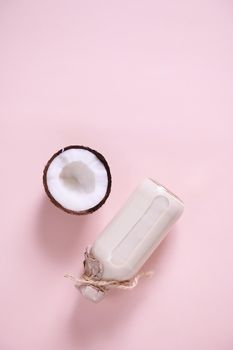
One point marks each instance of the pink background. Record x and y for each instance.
(149, 84)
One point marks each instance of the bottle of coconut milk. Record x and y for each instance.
(129, 239)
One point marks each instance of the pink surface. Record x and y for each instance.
(149, 84)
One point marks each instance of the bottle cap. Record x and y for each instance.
(92, 293)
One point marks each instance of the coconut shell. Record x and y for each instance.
(108, 190)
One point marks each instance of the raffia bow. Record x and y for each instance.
(93, 276)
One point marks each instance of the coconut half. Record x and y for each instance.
(77, 179)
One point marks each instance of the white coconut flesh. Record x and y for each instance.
(77, 179)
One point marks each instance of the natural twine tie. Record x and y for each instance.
(93, 272)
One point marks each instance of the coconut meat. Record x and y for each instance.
(77, 179)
